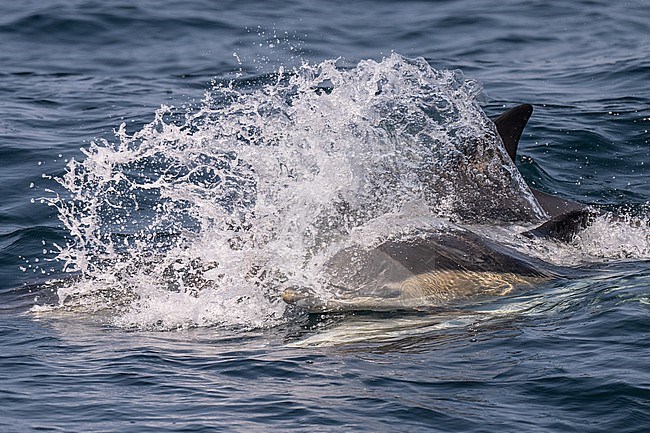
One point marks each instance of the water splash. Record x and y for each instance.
(616, 236)
(203, 219)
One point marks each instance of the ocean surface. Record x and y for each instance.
(167, 168)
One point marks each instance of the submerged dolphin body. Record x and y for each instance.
(423, 270)
(433, 268)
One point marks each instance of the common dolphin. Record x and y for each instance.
(433, 268)
(423, 270)
(567, 217)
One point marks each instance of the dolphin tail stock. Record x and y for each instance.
(565, 226)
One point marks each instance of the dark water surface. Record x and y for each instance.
(569, 355)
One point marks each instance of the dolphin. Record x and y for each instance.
(430, 268)
(419, 271)
(567, 217)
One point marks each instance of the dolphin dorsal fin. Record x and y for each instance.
(511, 124)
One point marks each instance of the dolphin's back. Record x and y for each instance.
(456, 250)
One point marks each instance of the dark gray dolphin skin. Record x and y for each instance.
(435, 268)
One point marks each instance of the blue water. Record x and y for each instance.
(569, 355)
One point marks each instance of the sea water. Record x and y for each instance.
(167, 169)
